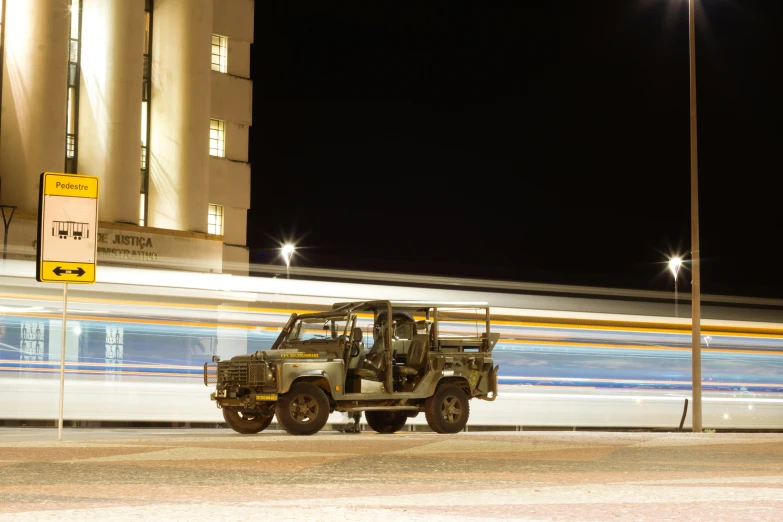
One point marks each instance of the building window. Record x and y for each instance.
(145, 111)
(72, 114)
(70, 145)
(32, 345)
(73, 54)
(215, 220)
(145, 89)
(217, 138)
(115, 336)
(219, 53)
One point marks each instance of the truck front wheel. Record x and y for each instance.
(304, 410)
(447, 411)
(246, 422)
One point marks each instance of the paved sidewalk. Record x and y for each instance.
(196, 474)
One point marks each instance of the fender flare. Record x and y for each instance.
(308, 376)
(447, 380)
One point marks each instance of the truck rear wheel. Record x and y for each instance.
(304, 410)
(246, 422)
(447, 411)
(386, 421)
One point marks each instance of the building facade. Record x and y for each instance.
(152, 96)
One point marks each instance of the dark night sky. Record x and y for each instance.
(537, 144)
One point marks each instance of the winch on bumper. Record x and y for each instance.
(240, 382)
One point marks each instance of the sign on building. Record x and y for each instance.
(67, 228)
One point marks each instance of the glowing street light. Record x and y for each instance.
(674, 265)
(287, 251)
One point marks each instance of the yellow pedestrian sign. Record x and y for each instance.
(67, 244)
(66, 249)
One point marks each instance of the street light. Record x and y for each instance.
(696, 284)
(674, 265)
(287, 251)
(6, 223)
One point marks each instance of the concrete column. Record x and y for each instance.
(35, 68)
(110, 103)
(179, 121)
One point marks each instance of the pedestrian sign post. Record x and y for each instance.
(67, 228)
(67, 247)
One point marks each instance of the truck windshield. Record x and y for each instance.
(306, 329)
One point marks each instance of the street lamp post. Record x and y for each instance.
(6, 223)
(674, 266)
(696, 285)
(287, 251)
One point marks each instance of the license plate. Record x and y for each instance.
(270, 397)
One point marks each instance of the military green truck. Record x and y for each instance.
(420, 357)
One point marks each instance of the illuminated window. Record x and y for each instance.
(144, 136)
(217, 138)
(32, 346)
(70, 145)
(219, 53)
(215, 220)
(73, 53)
(114, 344)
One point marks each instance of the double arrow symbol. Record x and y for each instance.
(60, 271)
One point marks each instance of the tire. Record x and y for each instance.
(447, 411)
(386, 421)
(246, 422)
(304, 410)
(396, 316)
